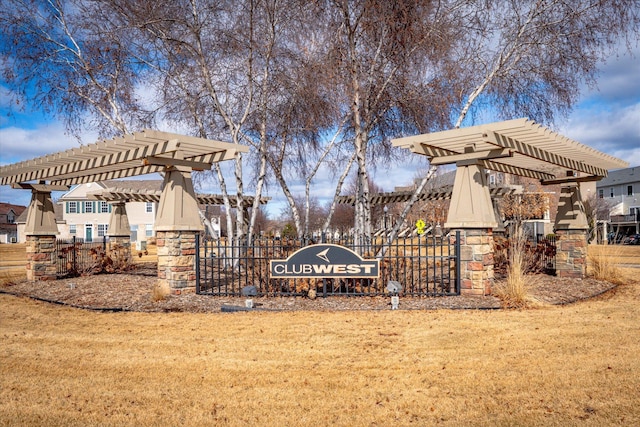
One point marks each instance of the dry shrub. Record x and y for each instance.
(602, 264)
(160, 291)
(514, 291)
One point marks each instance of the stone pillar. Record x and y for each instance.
(571, 253)
(176, 261)
(177, 224)
(476, 261)
(571, 228)
(472, 212)
(41, 258)
(41, 230)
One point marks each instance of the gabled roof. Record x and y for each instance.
(80, 193)
(621, 177)
(57, 211)
(5, 208)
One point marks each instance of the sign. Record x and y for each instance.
(324, 261)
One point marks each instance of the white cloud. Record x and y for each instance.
(608, 118)
(21, 144)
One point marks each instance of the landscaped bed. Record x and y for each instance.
(133, 292)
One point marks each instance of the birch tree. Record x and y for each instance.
(70, 67)
(530, 58)
(383, 58)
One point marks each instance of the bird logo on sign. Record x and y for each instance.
(323, 255)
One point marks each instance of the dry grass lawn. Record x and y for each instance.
(564, 365)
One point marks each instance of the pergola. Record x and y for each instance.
(519, 147)
(140, 153)
(119, 196)
(404, 196)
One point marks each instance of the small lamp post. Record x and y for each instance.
(394, 288)
(385, 209)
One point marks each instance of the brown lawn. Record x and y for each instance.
(560, 365)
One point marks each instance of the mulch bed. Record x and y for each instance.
(133, 292)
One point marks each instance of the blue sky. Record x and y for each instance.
(607, 118)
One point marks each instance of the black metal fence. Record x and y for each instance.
(75, 256)
(546, 250)
(424, 266)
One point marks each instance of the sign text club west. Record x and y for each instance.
(324, 261)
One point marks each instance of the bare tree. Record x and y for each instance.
(383, 59)
(281, 75)
(529, 58)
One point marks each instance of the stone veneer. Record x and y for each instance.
(176, 261)
(571, 253)
(476, 261)
(41, 261)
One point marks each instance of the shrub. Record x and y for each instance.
(603, 264)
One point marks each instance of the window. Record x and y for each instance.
(492, 179)
(11, 218)
(601, 193)
(102, 229)
(88, 207)
(149, 207)
(149, 230)
(611, 192)
(72, 207)
(629, 190)
(72, 229)
(104, 207)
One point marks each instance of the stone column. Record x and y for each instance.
(41, 230)
(471, 211)
(177, 224)
(176, 261)
(571, 228)
(476, 261)
(41, 258)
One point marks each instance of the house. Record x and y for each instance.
(89, 219)
(8, 222)
(621, 190)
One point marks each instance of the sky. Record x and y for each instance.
(606, 118)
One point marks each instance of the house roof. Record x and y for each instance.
(140, 153)
(621, 177)
(5, 208)
(519, 147)
(134, 185)
(57, 211)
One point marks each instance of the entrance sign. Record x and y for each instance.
(324, 261)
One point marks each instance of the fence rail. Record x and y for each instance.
(424, 265)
